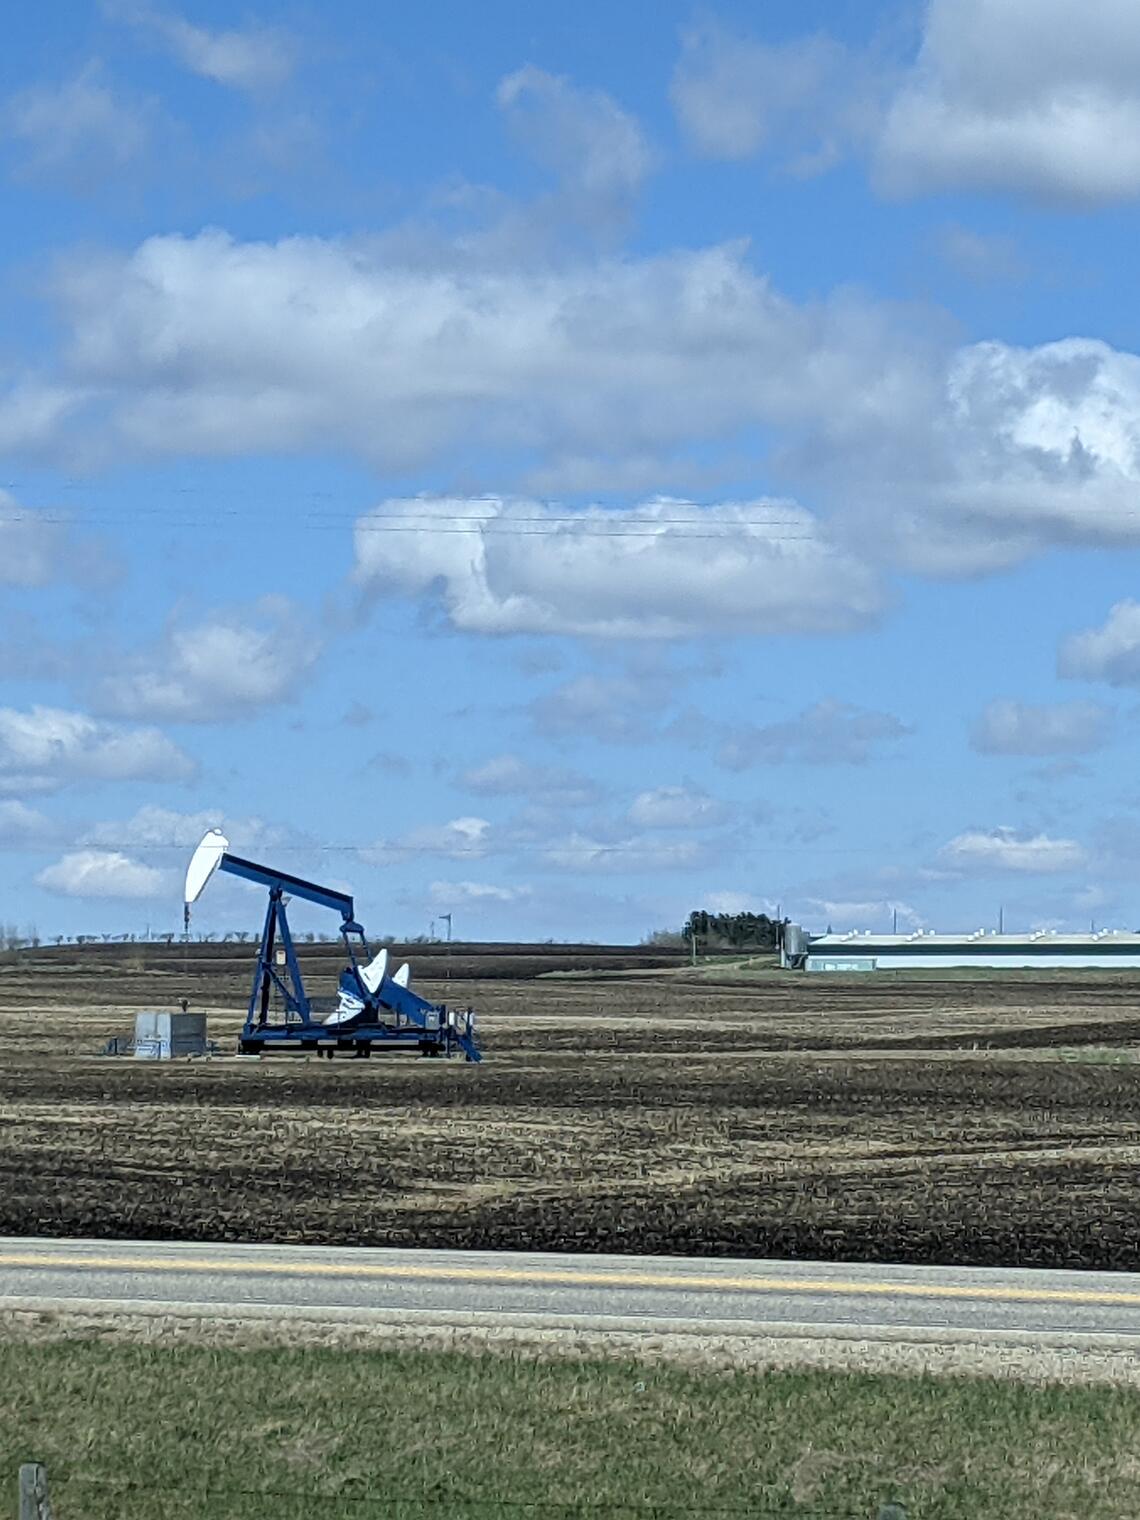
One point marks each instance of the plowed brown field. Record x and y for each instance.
(634, 1106)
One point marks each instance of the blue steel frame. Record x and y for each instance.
(430, 1027)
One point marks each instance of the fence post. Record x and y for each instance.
(34, 1501)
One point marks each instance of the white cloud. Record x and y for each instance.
(446, 895)
(511, 776)
(676, 807)
(226, 666)
(1033, 96)
(155, 827)
(828, 733)
(595, 147)
(47, 747)
(251, 58)
(34, 414)
(1004, 849)
(986, 258)
(81, 127)
(1007, 727)
(867, 913)
(631, 854)
(738, 902)
(1110, 653)
(620, 709)
(666, 569)
(1035, 447)
(945, 460)
(205, 345)
(464, 838)
(31, 546)
(810, 96)
(104, 873)
(22, 826)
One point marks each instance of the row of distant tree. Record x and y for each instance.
(712, 931)
(731, 931)
(15, 938)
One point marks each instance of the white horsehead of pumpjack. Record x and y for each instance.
(203, 863)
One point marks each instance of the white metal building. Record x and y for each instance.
(861, 950)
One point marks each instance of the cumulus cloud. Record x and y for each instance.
(676, 807)
(207, 345)
(666, 569)
(985, 258)
(249, 58)
(47, 747)
(1036, 447)
(31, 546)
(618, 709)
(946, 460)
(154, 827)
(1006, 727)
(22, 826)
(466, 838)
(1032, 96)
(1004, 849)
(739, 902)
(829, 732)
(809, 96)
(1110, 653)
(103, 873)
(582, 135)
(548, 785)
(81, 127)
(446, 895)
(225, 666)
(37, 548)
(629, 854)
(865, 913)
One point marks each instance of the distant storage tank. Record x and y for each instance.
(795, 945)
(169, 1036)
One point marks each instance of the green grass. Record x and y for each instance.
(1096, 1055)
(163, 1434)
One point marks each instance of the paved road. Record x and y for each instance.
(656, 1294)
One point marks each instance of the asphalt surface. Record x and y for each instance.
(646, 1294)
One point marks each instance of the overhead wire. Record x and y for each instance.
(566, 528)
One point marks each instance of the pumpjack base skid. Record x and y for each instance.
(358, 1043)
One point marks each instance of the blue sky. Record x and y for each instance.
(567, 466)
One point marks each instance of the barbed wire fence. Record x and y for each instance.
(206, 1502)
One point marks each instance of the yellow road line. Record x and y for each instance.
(571, 1277)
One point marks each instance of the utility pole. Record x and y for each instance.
(1001, 919)
(447, 952)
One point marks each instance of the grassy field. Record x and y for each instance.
(634, 1106)
(247, 1435)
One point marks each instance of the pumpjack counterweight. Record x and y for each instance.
(374, 1010)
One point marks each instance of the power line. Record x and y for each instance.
(483, 527)
(442, 851)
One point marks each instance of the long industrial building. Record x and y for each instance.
(861, 950)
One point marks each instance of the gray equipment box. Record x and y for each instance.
(168, 1036)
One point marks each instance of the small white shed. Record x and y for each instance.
(167, 1036)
